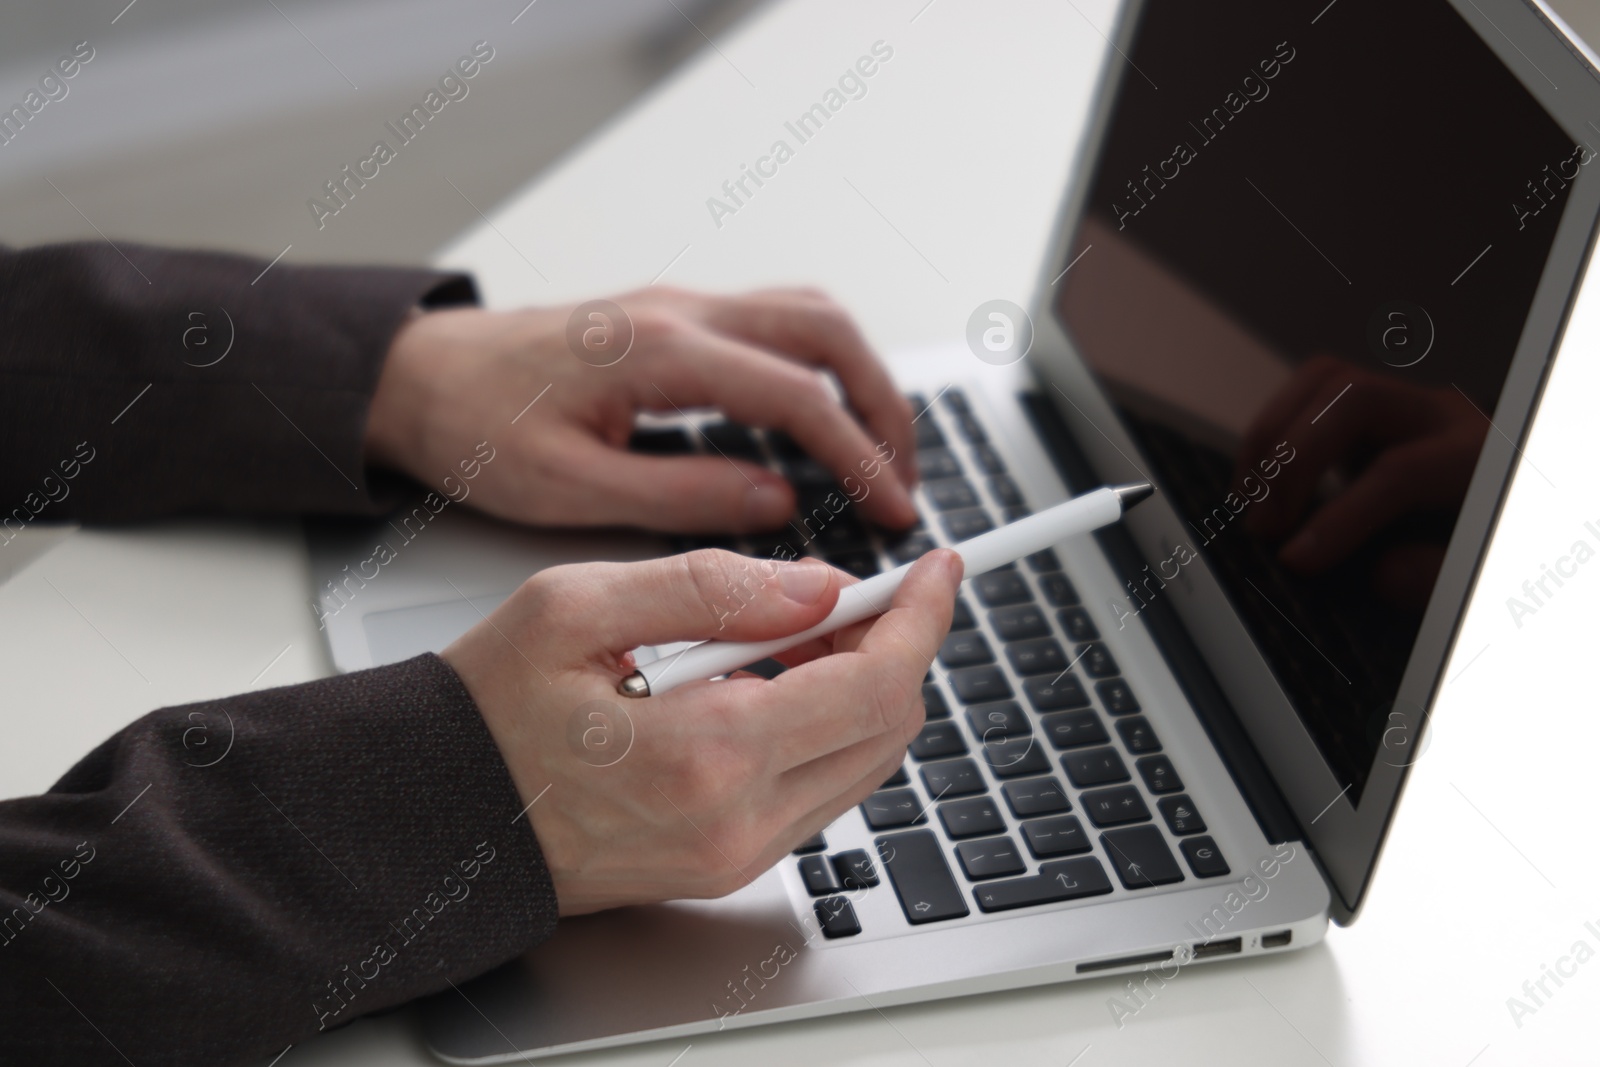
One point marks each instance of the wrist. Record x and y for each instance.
(391, 416)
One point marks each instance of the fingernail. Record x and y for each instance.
(952, 562)
(766, 506)
(803, 581)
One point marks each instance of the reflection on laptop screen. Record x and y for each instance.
(1306, 258)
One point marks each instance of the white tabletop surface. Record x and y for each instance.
(915, 204)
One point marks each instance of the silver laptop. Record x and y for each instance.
(1307, 279)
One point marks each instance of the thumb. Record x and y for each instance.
(703, 595)
(684, 494)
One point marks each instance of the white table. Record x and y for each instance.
(913, 205)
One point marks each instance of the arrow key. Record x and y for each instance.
(1141, 857)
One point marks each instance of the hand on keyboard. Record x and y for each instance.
(695, 792)
(455, 378)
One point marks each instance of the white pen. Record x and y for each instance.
(1033, 533)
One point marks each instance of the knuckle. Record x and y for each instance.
(889, 703)
(657, 326)
(715, 575)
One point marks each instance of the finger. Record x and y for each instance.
(809, 326)
(816, 793)
(1324, 432)
(694, 596)
(677, 494)
(839, 700)
(699, 368)
(1284, 408)
(1413, 478)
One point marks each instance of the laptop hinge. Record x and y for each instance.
(1212, 708)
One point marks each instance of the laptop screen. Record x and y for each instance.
(1308, 249)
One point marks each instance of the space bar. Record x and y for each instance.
(921, 877)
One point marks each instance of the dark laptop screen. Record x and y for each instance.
(1309, 246)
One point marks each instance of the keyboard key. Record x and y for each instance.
(844, 534)
(814, 843)
(1042, 655)
(928, 433)
(1094, 766)
(1097, 661)
(975, 685)
(899, 777)
(1045, 561)
(856, 869)
(783, 446)
(1077, 625)
(889, 809)
(953, 778)
(1060, 835)
(960, 525)
(806, 473)
(766, 668)
(773, 546)
(1004, 718)
(1117, 697)
(965, 648)
(921, 877)
(937, 463)
(1181, 816)
(993, 857)
(971, 428)
(1053, 694)
(1205, 859)
(1058, 590)
(910, 547)
(933, 702)
(955, 398)
(1137, 735)
(988, 460)
(1069, 729)
(1036, 796)
(818, 875)
(663, 442)
(837, 916)
(998, 588)
(1056, 881)
(962, 618)
(1004, 490)
(1158, 775)
(862, 563)
(1141, 857)
(1010, 757)
(734, 441)
(971, 817)
(1115, 806)
(1017, 511)
(948, 494)
(938, 740)
(1019, 622)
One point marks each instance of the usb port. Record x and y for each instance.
(1202, 949)
(1277, 940)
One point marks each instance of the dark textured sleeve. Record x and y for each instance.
(223, 879)
(138, 382)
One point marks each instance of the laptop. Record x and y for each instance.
(1307, 278)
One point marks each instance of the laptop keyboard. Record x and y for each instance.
(1035, 780)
